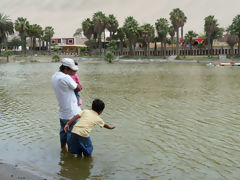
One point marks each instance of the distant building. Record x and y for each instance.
(63, 41)
(70, 45)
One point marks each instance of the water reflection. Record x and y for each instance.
(74, 168)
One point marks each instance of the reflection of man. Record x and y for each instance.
(64, 87)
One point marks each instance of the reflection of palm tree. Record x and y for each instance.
(74, 168)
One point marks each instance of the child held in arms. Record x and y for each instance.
(80, 142)
(76, 79)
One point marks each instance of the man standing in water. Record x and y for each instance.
(64, 87)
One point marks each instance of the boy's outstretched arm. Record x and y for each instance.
(108, 127)
(66, 128)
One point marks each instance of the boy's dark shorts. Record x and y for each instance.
(80, 145)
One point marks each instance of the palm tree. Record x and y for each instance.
(48, 34)
(171, 32)
(177, 18)
(162, 31)
(87, 27)
(232, 39)
(121, 36)
(112, 25)
(39, 35)
(99, 23)
(189, 37)
(21, 26)
(209, 27)
(184, 20)
(235, 28)
(147, 34)
(78, 32)
(131, 30)
(6, 28)
(30, 33)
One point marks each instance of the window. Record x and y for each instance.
(70, 41)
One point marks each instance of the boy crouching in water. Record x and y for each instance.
(80, 142)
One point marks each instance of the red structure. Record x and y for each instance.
(196, 41)
(66, 41)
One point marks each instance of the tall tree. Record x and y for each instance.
(87, 27)
(209, 28)
(99, 23)
(78, 32)
(171, 32)
(6, 28)
(177, 18)
(235, 28)
(21, 26)
(111, 25)
(189, 37)
(231, 39)
(162, 29)
(130, 27)
(48, 34)
(121, 36)
(147, 34)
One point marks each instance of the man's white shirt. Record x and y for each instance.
(64, 86)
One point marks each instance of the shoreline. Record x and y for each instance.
(48, 58)
(12, 172)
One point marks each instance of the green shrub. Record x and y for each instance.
(55, 58)
(109, 57)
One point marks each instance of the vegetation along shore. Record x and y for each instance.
(102, 36)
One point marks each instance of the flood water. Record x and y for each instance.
(173, 121)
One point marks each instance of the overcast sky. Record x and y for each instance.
(65, 16)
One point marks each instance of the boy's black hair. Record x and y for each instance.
(98, 105)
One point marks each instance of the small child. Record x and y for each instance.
(80, 142)
(76, 79)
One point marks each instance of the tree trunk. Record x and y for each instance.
(121, 47)
(209, 46)
(155, 48)
(99, 43)
(39, 41)
(162, 48)
(239, 46)
(130, 48)
(104, 50)
(177, 47)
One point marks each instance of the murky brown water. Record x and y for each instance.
(174, 121)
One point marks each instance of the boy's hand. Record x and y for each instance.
(66, 128)
(113, 127)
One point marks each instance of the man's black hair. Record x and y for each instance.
(62, 67)
(98, 105)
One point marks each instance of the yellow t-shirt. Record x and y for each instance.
(88, 119)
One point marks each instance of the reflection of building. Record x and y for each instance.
(70, 45)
